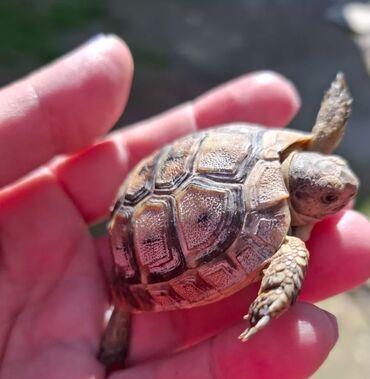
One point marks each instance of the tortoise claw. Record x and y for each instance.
(279, 287)
(249, 332)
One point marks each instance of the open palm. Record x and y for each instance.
(53, 274)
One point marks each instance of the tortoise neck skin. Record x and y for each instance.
(319, 185)
(297, 219)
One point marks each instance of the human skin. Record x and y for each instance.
(54, 275)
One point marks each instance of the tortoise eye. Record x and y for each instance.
(329, 198)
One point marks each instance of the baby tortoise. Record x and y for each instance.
(217, 210)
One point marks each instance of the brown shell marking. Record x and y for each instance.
(265, 186)
(216, 157)
(228, 153)
(175, 163)
(140, 181)
(276, 142)
(157, 249)
(204, 220)
(121, 244)
(208, 219)
(267, 219)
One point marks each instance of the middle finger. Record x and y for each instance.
(339, 261)
(92, 177)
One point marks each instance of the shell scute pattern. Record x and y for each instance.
(175, 163)
(228, 154)
(261, 233)
(265, 186)
(267, 219)
(192, 288)
(209, 227)
(140, 181)
(194, 223)
(221, 274)
(157, 251)
(222, 153)
(121, 244)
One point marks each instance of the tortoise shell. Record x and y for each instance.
(200, 218)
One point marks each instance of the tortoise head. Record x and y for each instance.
(319, 185)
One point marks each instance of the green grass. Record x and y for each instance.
(363, 205)
(32, 29)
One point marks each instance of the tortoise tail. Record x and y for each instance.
(113, 349)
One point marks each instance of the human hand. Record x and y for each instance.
(53, 276)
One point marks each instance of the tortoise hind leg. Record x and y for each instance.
(114, 344)
(280, 285)
(332, 117)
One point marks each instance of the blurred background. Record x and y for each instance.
(183, 48)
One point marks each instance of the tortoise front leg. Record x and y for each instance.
(280, 285)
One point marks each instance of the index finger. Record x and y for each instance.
(64, 106)
(92, 177)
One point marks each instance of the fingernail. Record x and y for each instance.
(334, 323)
(95, 42)
(266, 76)
(95, 38)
